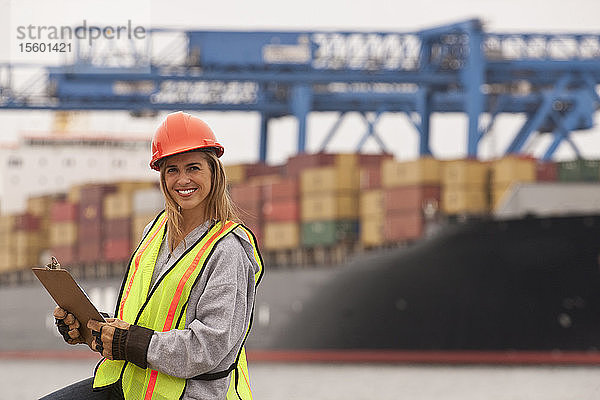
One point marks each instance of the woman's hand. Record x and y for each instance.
(109, 337)
(68, 326)
(118, 340)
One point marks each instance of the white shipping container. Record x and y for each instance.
(549, 199)
(148, 201)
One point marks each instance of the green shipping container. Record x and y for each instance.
(327, 233)
(579, 170)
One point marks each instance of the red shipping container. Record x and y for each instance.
(27, 222)
(117, 249)
(89, 251)
(286, 189)
(546, 171)
(118, 228)
(95, 193)
(373, 159)
(298, 163)
(62, 211)
(411, 198)
(246, 196)
(89, 211)
(281, 211)
(370, 177)
(65, 254)
(89, 231)
(402, 226)
(262, 169)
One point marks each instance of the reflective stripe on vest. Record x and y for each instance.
(162, 309)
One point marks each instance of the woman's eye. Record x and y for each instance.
(171, 170)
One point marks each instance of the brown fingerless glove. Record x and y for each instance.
(132, 345)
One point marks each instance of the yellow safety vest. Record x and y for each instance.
(164, 309)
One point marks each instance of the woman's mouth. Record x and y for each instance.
(185, 192)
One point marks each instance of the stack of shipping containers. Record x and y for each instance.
(281, 215)
(329, 203)
(63, 230)
(465, 187)
(27, 240)
(317, 209)
(91, 202)
(411, 189)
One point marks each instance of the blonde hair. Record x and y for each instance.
(219, 207)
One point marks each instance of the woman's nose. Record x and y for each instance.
(184, 178)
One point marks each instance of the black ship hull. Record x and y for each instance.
(531, 284)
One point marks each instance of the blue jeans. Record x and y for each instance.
(83, 390)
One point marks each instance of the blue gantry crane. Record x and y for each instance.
(456, 68)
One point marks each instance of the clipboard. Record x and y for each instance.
(70, 296)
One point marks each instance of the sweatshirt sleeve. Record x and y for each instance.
(221, 317)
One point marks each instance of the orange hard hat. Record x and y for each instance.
(181, 132)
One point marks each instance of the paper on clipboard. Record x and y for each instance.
(69, 296)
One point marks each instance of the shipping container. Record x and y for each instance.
(546, 172)
(418, 172)
(63, 233)
(579, 170)
(328, 233)
(62, 211)
(372, 230)
(94, 193)
(246, 196)
(281, 211)
(27, 222)
(323, 179)
(370, 177)
(329, 206)
(403, 226)
(117, 228)
(132, 186)
(89, 251)
(281, 236)
(235, 173)
(465, 172)
(371, 203)
(464, 200)
(262, 169)
(298, 163)
(40, 205)
(513, 169)
(286, 189)
(117, 205)
(412, 198)
(116, 249)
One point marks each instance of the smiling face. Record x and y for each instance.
(188, 179)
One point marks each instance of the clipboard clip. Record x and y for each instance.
(54, 264)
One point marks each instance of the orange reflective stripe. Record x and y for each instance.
(137, 264)
(246, 379)
(177, 296)
(151, 385)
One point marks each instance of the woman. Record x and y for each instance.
(186, 302)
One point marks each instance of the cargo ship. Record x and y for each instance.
(369, 258)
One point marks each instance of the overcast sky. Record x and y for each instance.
(239, 131)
